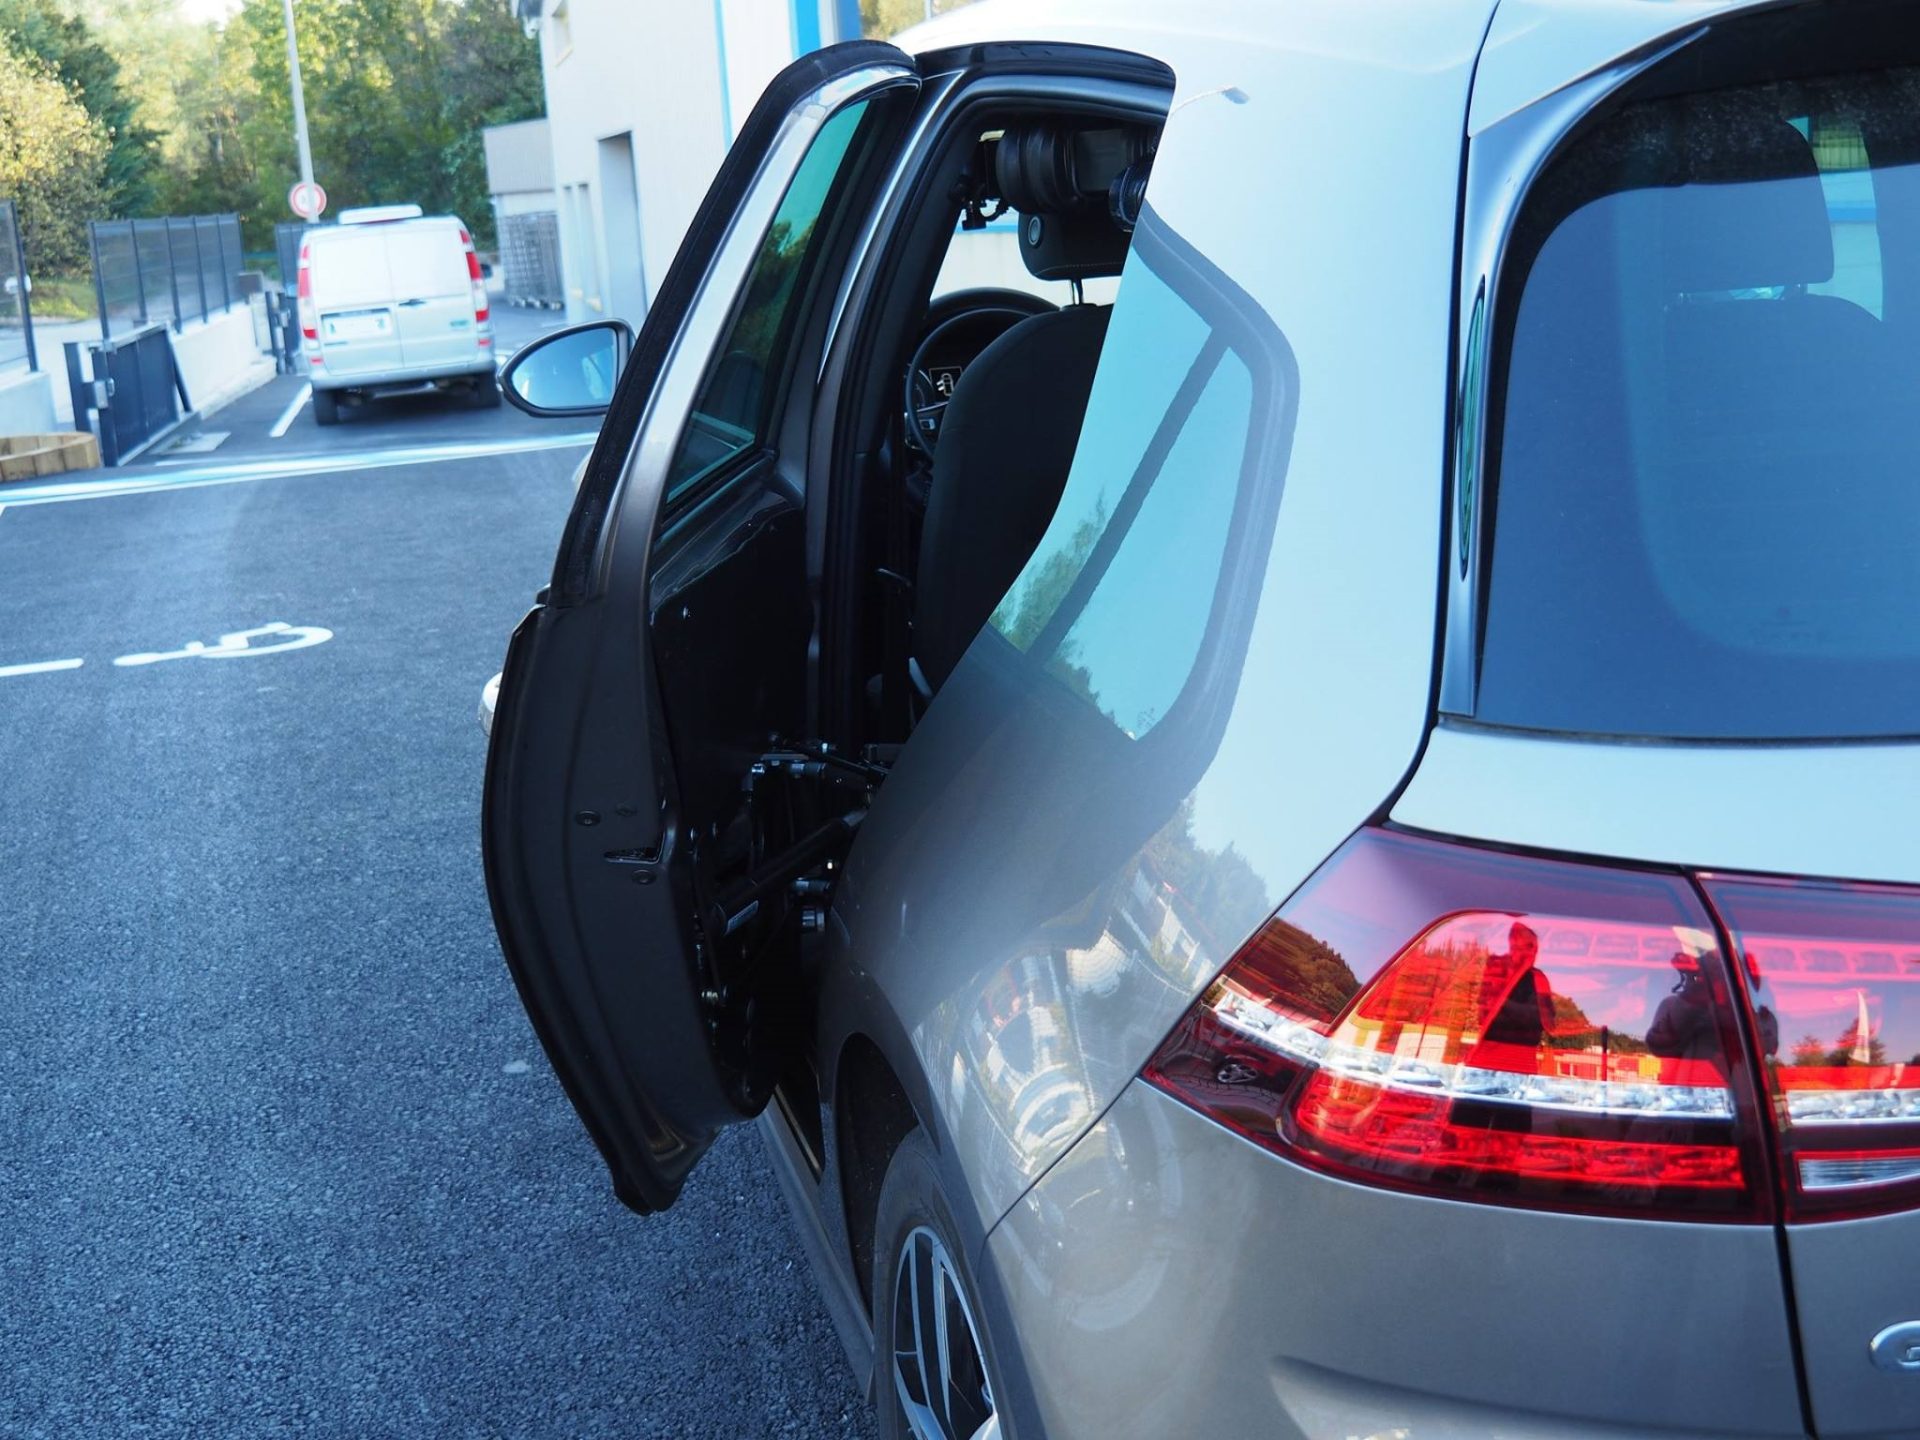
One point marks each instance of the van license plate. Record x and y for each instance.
(358, 325)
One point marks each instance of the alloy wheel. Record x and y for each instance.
(939, 1371)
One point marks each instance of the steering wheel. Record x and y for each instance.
(973, 321)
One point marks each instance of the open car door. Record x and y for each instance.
(641, 891)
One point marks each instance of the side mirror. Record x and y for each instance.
(570, 372)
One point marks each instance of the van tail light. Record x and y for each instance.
(303, 294)
(480, 307)
(1482, 1026)
(1830, 976)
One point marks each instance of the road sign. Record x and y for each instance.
(307, 200)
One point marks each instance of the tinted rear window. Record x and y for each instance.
(1706, 512)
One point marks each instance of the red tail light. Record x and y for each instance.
(480, 306)
(303, 294)
(1831, 977)
(1449, 1020)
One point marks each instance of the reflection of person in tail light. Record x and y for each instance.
(1684, 1026)
(1525, 1015)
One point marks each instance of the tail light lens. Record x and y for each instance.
(1831, 980)
(303, 295)
(479, 282)
(1459, 1022)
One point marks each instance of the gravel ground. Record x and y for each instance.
(282, 1156)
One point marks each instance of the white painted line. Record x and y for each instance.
(42, 667)
(243, 473)
(287, 416)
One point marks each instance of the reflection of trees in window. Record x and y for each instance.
(774, 274)
(1025, 611)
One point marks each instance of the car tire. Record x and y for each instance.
(916, 1244)
(486, 391)
(326, 408)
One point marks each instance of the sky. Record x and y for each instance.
(207, 9)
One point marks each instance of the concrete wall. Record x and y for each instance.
(221, 359)
(26, 402)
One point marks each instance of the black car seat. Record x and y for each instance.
(1007, 442)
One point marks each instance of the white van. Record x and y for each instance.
(393, 300)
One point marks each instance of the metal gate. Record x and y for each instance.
(131, 388)
(530, 254)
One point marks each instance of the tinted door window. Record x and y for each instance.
(731, 415)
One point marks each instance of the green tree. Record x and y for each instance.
(397, 94)
(73, 54)
(53, 158)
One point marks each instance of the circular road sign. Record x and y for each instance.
(307, 200)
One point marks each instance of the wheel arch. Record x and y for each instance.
(872, 1113)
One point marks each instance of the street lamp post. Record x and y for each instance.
(299, 98)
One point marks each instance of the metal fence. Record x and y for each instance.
(530, 255)
(164, 271)
(16, 310)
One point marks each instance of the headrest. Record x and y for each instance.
(1749, 210)
(1059, 180)
(1072, 244)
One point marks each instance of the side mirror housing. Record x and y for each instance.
(571, 371)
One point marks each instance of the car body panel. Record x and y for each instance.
(947, 923)
(353, 299)
(1853, 1279)
(1717, 807)
(438, 327)
(1325, 1308)
(1537, 47)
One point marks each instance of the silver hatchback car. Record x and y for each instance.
(1254, 674)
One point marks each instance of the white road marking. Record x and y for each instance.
(40, 667)
(287, 416)
(246, 472)
(231, 646)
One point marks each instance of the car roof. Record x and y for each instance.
(1528, 49)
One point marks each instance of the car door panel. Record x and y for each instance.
(668, 651)
(433, 297)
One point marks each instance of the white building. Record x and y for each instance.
(643, 99)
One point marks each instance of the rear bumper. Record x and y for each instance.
(1167, 1277)
(400, 379)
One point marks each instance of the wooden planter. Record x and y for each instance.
(25, 457)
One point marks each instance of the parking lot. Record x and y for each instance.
(283, 1155)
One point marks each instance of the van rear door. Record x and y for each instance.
(433, 295)
(356, 327)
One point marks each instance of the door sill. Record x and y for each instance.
(844, 1304)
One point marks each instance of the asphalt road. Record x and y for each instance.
(245, 429)
(281, 1154)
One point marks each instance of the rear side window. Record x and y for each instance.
(1147, 565)
(1706, 501)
